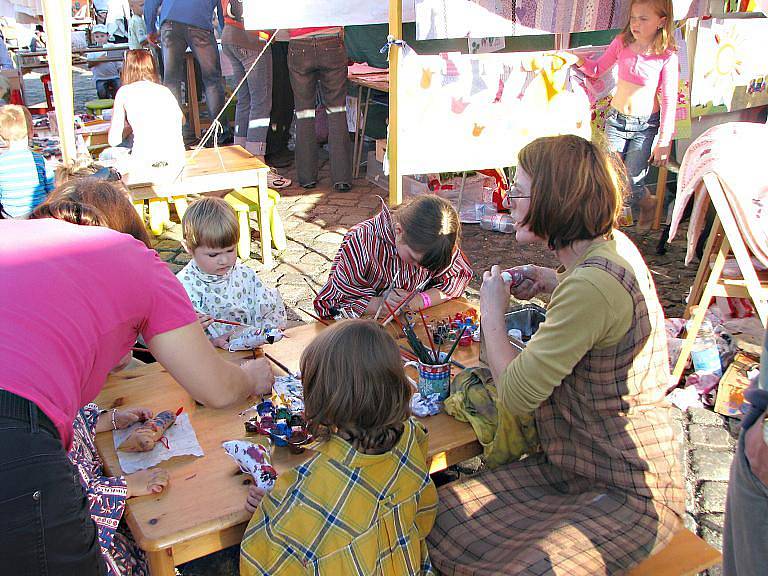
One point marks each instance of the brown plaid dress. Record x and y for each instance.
(606, 489)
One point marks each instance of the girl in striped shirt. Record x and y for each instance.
(394, 253)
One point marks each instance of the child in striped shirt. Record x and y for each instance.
(25, 180)
(382, 260)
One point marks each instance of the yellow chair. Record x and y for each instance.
(159, 211)
(246, 200)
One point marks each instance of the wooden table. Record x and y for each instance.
(208, 170)
(201, 511)
(365, 84)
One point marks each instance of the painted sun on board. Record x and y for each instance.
(726, 68)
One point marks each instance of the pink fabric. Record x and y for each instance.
(643, 70)
(74, 299)
(735, 152)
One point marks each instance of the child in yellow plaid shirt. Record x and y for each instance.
(364, 502)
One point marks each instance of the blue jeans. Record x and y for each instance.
(175, 37)
(254, 98)
(632, 138)
(312, 62)
(45, 521)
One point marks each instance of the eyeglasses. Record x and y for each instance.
(511, 195)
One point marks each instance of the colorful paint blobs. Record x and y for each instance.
(477, 130)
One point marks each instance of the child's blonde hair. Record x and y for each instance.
(355, 386)
(665, 36)
(431, 227)
(15, 123)
(210, 222)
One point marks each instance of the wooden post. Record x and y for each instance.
(396, 31)
(58, 26)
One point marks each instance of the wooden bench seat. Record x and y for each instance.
(685, 555)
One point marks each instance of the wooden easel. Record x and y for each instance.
(724, 239)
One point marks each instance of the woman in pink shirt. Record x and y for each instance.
(645, 101)
(74, 299)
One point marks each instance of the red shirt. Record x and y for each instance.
(367, 262)
(74, 299)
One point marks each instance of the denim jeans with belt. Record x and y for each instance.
(312, 62)
(174, 38)
(45, 522)
(632, 138)
(254, 98)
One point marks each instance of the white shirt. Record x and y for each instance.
(156, 120)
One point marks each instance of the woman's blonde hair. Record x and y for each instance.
(577, 190)
(210, 222)
(431, 227)
(355, 386)
(665, 36)
(139, 65)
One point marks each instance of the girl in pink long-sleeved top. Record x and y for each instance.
(646, 94)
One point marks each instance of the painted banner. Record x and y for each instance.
(282, 14)
(479, 18)
(730, 67)
(473, 111)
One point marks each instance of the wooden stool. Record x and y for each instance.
(96, 107)
(246, 200)
(685, 555)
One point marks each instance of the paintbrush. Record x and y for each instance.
(229, 322)
(279, 364)
(450, 352)
(385, 295)
(406, 300)
(323, 322)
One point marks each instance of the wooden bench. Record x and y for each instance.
(245, 201)
(685, 555)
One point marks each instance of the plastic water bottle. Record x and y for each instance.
(705, 355)
(498, 223)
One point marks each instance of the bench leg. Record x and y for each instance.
(161, 563)
(158, 215)
(139, 207)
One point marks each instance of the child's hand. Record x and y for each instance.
(204, 319)
(222, 341)
(255, 494)
(660, 155)
(149, 481)
(396, 297)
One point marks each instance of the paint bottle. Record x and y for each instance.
(514, 277)
(705, 354)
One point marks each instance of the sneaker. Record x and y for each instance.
(277, 182)
(309, 185)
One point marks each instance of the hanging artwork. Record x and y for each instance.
(283, 14)
(479, 18)
(473, 111)
(730, 68)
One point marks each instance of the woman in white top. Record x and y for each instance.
(154, 117)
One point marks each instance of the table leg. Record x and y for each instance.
(362, 130)
(661, 189)
(161, 563)
(264, 227)
(358, 110)
(139, 207)
(193, 106)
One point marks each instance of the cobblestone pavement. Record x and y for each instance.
(315, 222)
